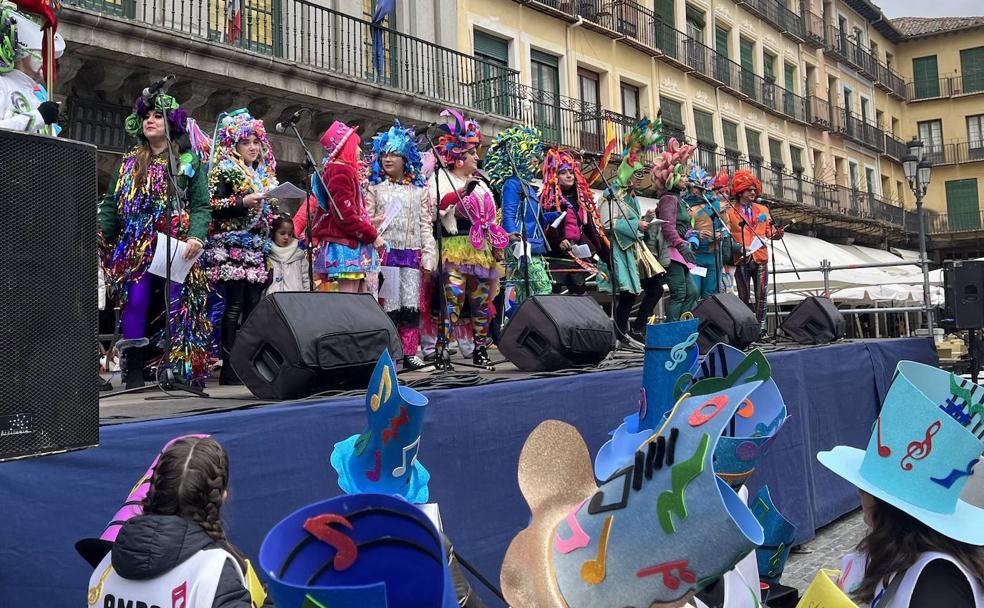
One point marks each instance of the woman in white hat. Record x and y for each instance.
(23, 101)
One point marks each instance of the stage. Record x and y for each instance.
(471, 441)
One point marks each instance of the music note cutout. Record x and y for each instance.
(578, 538)
(394, 424)
(401, 470)
(948, 481)
(667, 569)
(345, 548)
(918, 450)
(373, 475)
(760, 509)
(883, 450)
(593, 570)
(385, 390)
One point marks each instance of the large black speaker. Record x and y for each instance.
(296, 344)
(724, 318)
(555, 332)
(48, 308)
(815, 320)
(963, 286)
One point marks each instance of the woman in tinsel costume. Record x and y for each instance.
(398, 193)
(524, 145)
(130, 217)
(566, 192)
(241, 172)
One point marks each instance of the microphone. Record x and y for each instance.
(588, 154)
(282, 126)
(160, 86)
(764, 201)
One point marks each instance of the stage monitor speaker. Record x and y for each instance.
(964, 292)
(552, 332)
(724, 318)
(296, 344)
(815, 320)
(49, 309)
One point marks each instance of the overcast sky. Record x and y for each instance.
(937, 8)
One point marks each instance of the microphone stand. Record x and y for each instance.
(524, 238)
(442, 361)
(775, 274)
(725, 232)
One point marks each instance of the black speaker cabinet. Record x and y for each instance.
(724, 318)
(48, 301)
(815, 320)
(296, 344)
(552, 332)
(963, 282)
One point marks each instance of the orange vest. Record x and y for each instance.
(757, 225)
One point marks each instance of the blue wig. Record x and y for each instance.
(397, 140)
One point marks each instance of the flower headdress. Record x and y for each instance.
(672, 166)
(524, 145)
(461, 136)
(643, 137)
(177, 118)
(234, 127)
(397, 140)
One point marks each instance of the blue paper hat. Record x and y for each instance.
(922, 450)
(755, 426)
(779, 537)
(671, 352)
(656, 532)
(383, 458)
(361, 551)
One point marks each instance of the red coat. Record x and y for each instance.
(354, 227)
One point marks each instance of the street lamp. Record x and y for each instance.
(917, 172)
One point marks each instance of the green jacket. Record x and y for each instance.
(199, 206)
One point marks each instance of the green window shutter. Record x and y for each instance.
(769, 67)
(730, 131)
(790, 74)
(696, 17)
(546, 58)
(492, 48)
(754, 140)
(926, 76)
(747, 61)
(672, 112)
(972, 69)
(796, 156)
(721, 42)
(962, 204)
(664, 11)
(704, 124)
(775, 153)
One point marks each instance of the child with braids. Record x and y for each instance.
(176, 552)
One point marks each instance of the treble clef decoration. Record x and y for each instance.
(678, 354)
(917, 450)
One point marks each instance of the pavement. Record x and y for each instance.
(831, 543)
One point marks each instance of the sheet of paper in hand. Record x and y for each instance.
(286, 191)
(179, 265)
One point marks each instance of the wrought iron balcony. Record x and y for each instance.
(954, 153)
(305, 33)
(858, 130)
(564, 121)
(951, 223)
(98, 123)
(842, 46)
(895, 148)
(889, 80)
(776, 13)
(965, 83)
(813, 25)
(820, 114)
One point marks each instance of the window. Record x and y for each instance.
(789, 74)
(721, 42)
(931, 134)
(975, 135)
(722, 63)
(769, 67)
(252, 24)
(664, 11)
(587, 86)
(730, 131)
(925, 77)
(493, 79)
(754, 140)
(864, 110)
(747, 48)
(695, 23)
(962, 204)
(796, 158)
(775, 153)
(630, 100)
(972, 69)
(590, 122)
(672, 118)
(853, 171)
(869, 180)
(704, 125)
(848, 100)
(696, 57)
(546, 103)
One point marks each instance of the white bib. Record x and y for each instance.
(901, 595)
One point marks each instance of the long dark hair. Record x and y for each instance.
(894, 542)
(190, 481)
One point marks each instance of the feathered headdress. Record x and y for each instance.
(460, 136)
(397, 140)
(525, 147)
(700, 178)
(237, 125)
(644, 137)
(672, 166)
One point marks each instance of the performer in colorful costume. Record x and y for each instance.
(520, 147)
(704, 209)
(567, 192)
(472, 241)
(241, 172)
(346, 241)
(924, 542)
(131, 215)
(399, 194)
(671, 178)
(752, 226)
(24, 104)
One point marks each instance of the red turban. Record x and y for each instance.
(743, 180)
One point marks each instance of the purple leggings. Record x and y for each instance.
(133, 319)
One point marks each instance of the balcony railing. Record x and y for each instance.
(895, 148)
(856, 129)
(564, 121)
(778, 15)
(842, 45)
(890, 81)
(962, 84)
(954, 153)
(820, 115)
(813, 25)
(304, 33)
(952, 223)
(98, 123)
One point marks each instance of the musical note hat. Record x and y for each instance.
(359, 551)
(383, 458)
(671, 351)
(779, 536)
(655, 533)
(922, 450)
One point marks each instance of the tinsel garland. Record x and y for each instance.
(191, 329)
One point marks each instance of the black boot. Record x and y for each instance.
(481, 357)
(227, 375)
(134, 376)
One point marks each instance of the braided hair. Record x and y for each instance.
(190, 481)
